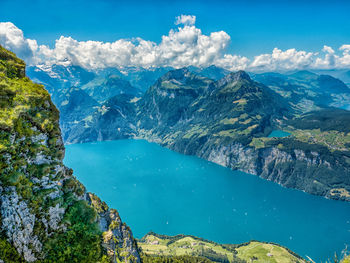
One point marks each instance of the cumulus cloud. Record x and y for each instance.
(12, 38)
(345, 59)
(232, 62)
(183, 46)
(290, 59)
(185, 20)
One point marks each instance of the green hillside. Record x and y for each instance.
(156, 246)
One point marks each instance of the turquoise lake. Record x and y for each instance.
(278, 133)
(156, 189)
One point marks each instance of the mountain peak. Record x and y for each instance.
(177, 74)
(304, 74)
(234, 76)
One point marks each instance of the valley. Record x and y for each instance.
(227, 119)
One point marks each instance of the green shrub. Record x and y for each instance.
(82, 240)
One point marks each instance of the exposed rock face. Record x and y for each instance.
(18, 224)
(117, 236)
(235, 156)
(42, 206)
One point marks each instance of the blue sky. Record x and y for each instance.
(250, 35)
(254, 26)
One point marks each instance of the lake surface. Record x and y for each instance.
(156, 189)
(279, 134)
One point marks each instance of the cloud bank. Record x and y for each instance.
(184, 46)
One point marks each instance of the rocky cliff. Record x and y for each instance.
(45, 213)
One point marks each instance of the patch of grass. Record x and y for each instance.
(240, 101)
(181, 245)
(227, 133)
(195, 130)
(332, 139)
(260, 142)
(262, 252)
(229, 120)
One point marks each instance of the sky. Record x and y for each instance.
(258, 32)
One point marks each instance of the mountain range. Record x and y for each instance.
(220, 116)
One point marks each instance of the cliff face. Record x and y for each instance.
(297, 169)
(45, 213)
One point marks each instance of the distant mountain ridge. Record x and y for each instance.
(308, 91)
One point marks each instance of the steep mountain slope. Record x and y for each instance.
(167, 102)
(79, 95)
(211, 115)
(45, 213)
(181, 99)
(308, 91)
(74, 106)
(57, 77)
(141, 78)
(342, 74)
(104, 88)
(115, 119)
(88, 98)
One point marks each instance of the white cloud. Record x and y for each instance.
(12, 38)
(345, 59)
(290, 59)
(183, 46)
(329, 60)
(185, 20)
(188, 46)
(232, 62)
(328, 49)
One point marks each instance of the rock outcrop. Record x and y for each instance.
(45, 215)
